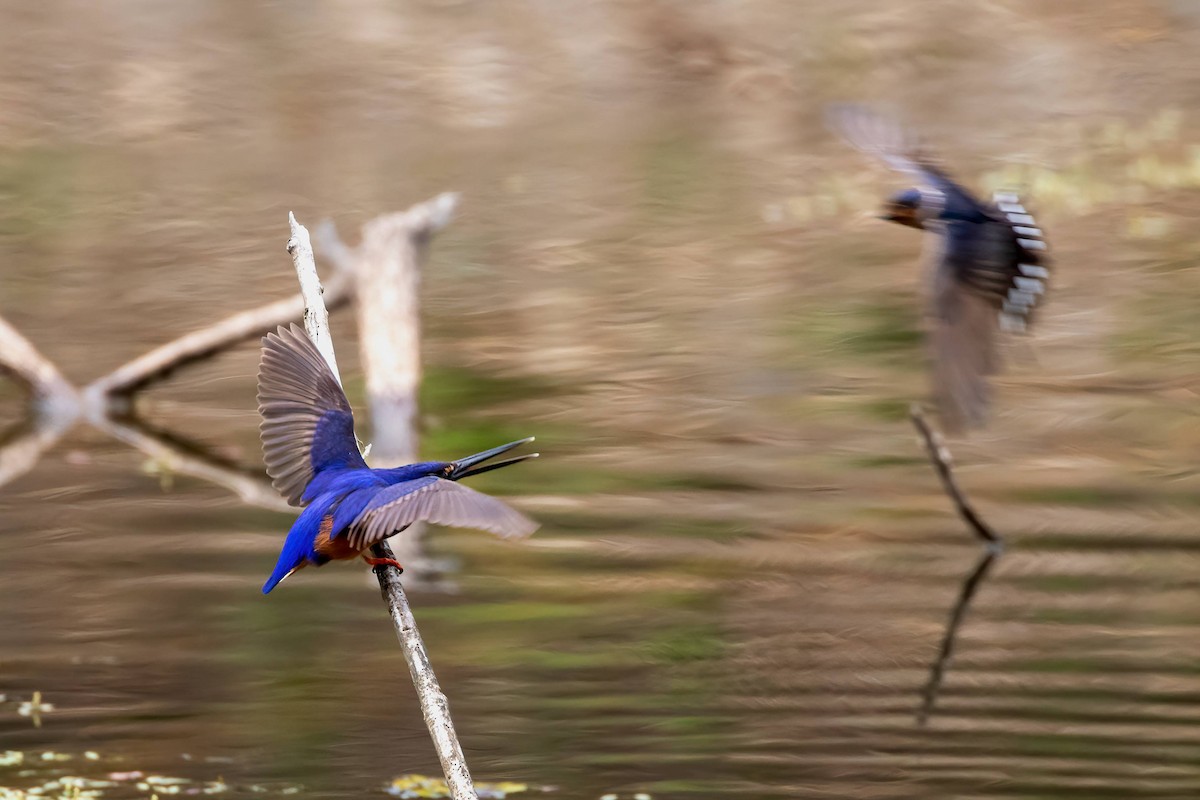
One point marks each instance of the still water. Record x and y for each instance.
(667, 271)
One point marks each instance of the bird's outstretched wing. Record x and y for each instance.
(879, 137)
(962, 338)
(307, 425)
(436, 500)
(970, 264)
(897, 147)
(1018, 284)
(985, 276)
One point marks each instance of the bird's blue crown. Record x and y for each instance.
(909, 197)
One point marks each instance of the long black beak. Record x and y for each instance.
(466, 466)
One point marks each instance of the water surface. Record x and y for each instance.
(667, 271)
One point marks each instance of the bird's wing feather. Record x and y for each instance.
(436, 500)
(1018, 282)
(307, 424)
(880, 138)
(963, 324)
(897, 147)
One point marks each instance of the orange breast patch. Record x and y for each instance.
(333, 549)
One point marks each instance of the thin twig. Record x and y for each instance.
(429, 692)
(940, 456)
(937, 670)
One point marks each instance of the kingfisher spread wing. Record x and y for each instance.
(313, 460)
(988, 263)
(307, 425)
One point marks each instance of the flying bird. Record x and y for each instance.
(988, 263)
(313, 460)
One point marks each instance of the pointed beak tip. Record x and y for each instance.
(473, 465)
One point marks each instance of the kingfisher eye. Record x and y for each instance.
(448, 470)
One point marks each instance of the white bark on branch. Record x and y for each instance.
(316, 315)
(388, 264)
(53, 395)
(333, 249)
(434, 706)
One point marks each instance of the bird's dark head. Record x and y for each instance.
(473, 465)
(907, 208)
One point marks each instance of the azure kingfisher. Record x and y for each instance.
(313, 459)
(988, 264)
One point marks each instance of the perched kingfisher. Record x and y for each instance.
(313, 459)
(988, 264)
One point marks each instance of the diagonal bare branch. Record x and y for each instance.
(433, 701)
(939, 456)
(155, 365)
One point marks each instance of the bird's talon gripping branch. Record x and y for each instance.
(384, 562)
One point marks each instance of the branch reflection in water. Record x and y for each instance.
(22, 445)
(937, 670)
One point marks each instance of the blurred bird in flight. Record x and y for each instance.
(313, 459)
(988, 266)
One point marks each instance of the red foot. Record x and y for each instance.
(384, 562)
